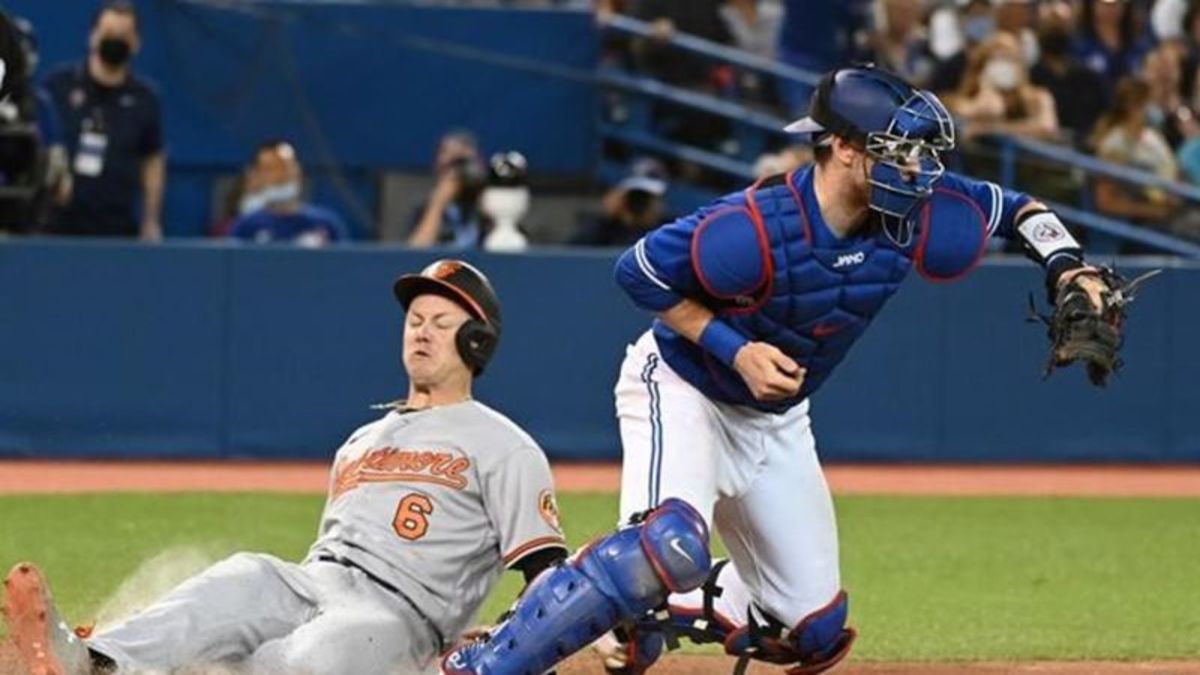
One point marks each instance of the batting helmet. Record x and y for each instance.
(901, 127)
(462, 283)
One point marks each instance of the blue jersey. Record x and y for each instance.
(311, 225)
(768, 266)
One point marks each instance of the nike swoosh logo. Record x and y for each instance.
(826, 329)
(679, 549)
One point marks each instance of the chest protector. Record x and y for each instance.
(814, 302)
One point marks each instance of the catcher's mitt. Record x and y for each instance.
(1081, 331)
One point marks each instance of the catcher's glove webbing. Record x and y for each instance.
(1081, 331)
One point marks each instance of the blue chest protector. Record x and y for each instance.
(775, 273)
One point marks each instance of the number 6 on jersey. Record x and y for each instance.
(412, 516)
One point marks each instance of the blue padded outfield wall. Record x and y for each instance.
(208, 350)
(360, 87)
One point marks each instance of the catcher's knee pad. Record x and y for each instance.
(616, 578)
(816, 644)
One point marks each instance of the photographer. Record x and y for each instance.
(451, 215)
(629, 210)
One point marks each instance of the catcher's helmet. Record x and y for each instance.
(901, 127)
(462, 283)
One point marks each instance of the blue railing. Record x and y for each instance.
(717, 52)
(752, 128)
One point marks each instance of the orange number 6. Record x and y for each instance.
(412, 517)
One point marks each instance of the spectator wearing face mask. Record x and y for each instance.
(996, 96)
(451, 215)
(112, 127)
(1080, 94)
(272, 207)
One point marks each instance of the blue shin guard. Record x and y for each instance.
(617, 578)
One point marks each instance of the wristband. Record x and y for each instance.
(1046, 237)
(1049, 243)
(722, 341)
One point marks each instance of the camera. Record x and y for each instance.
(472, 176)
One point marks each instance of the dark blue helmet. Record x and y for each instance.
(902, 128)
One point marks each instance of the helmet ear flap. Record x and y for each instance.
(476, 342)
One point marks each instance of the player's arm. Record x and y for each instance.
(673, 270)
(1046, 240)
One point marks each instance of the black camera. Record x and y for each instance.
(638, 202)
(472, 177)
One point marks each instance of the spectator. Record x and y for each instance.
(899, 43)
(113, 132)
(700, 18)
(818, 36)
(1190, 68)
(655, 57)
(1123, 136)
(629, 210)
(1187, 224)
(505, 201)
(1163, 72)
(754, 26)
(996, 96)
(1080, 94)
(272, 205)
(1017, 18)
(451, 215)
(1110, 43)
(975, 23)
(1188, 155)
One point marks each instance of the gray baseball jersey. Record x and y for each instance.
(438, 502)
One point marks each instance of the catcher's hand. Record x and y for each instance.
(1089, 310)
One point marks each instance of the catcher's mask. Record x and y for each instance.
(459, 281)
(902, 128)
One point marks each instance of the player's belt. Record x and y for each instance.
(385, 585)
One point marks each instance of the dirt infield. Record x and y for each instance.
(31, 477)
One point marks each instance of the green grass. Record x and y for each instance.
(929, 578)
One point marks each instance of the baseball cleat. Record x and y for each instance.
(46, 643)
